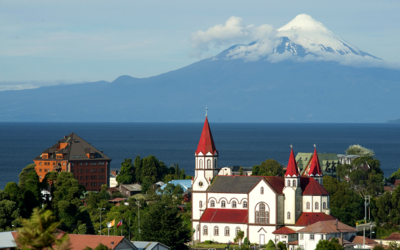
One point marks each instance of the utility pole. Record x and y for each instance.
(365, 207)
(364, 239)
(100, 217)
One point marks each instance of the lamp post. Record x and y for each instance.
(100, 217)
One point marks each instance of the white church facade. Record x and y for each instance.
(264, 207)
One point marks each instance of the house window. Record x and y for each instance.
(216, 231)
(245, 204)
(288, 183)
(301, 236)
(322, 236)
(308, 205)
(262, 216)
(226, 231)
(324, 205)
(288, 215)
(294, 183)
(237, 230)
(205, 230)
(81, 164)
(40, 170)
(223, 204)
(208, 164)
(234, 204)
(40, 163)
(316, 205)
(201, 204)
(201, 163)
(212, 203)
(311, 236)
(262, 190)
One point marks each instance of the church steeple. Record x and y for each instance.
(206, 155)
(315, 168)
(292, 170)
(206, 143)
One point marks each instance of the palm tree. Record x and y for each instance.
(240, 236)
(40, 232)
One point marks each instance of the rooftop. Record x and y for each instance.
(242, 184)
(147, 245)
(327, 227)
(311, 218)
(224, 215)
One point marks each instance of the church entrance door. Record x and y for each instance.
(262, 239)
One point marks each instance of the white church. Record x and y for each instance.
(264, 207)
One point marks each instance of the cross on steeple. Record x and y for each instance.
(291, 145)
(206, 111)
(315, 145)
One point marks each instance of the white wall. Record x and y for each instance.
(113, 182)
(269, 197)
(228, 198)
(221, 236)
(196, 198)
(256, 231)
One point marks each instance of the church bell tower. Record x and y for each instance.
(206, 155)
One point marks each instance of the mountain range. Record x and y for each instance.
(304, 73)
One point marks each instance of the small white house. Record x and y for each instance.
(324, 230)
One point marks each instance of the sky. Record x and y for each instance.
(65, 42)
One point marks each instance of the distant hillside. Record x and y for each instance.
(300, 80)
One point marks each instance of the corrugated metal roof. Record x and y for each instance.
(224, 215)
(7, 240)
(233, 184)
(185, 184)
(147, 245)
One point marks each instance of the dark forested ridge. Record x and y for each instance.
(234, 91)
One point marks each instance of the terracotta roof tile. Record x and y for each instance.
(393, 236)
(311, 218)
(284, 230)
(80, 241)
(314, 188)
(360, 240)
(224, 215)
(327, 226)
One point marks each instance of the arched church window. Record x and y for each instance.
(237, 230)
(245, 204)
(234, 204)
(288, 183)
(308, 205)
(216, 231)
(201, 204)
(316, 205)
(262, 190)
(212, 203)
(294, 183)
(226, 231)
(324, 205)
(288, 215)
(208, 164)
(223, 204)
(205, 230)
(262, 213)
(201, 163)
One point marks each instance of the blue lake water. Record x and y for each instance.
(238, 144)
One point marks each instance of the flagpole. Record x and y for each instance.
(121, 227)
(114, 226)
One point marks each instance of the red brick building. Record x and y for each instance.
(90, 166)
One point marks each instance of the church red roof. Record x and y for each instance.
(306, 219)
(315, 168)
(206, 143)
(224, 215)
(314, 188)
(284, 230)
(292, 169)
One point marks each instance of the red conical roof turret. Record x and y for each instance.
(315, 168)
(206, 143)
(292, 169)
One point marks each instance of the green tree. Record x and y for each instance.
(281, 245)
(127, 173)
(396, 175)
(102, 247)
(138, 164)
(343, 171)
(240, 236)
(9, 212)
(269, 167)
(182, 174)
(345, 203)
(31, 193)
(256, 169)
(149, 168)
(357, 149)
(270, 245)
(23, 175)
(240, 170)
(161, 223)
(13, 190)
(40, 232)
(333, 244)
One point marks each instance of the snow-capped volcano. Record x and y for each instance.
(299, 38)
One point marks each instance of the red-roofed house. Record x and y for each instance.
(264, 207)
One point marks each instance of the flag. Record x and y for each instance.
(119, 223)
(111, 223)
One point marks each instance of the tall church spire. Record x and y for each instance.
(206, 143)
(292, 169)
(315, 167)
